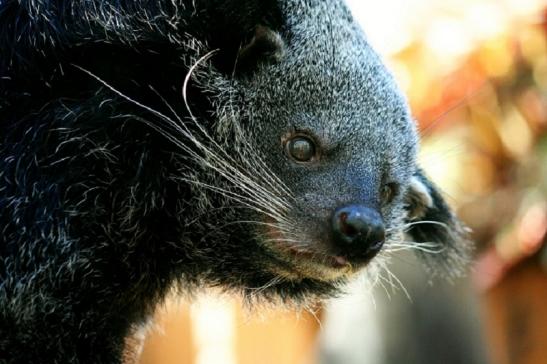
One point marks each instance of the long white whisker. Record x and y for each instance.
(185, 98)
(242, 199)
(392, 275)
(425, 222)
(259, 198)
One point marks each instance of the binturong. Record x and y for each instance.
(257, 146)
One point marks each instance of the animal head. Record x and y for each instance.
(289, 148)
(333, 145)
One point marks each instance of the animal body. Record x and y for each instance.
(259, 146)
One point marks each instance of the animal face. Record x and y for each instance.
(340, 147)
(343, 143)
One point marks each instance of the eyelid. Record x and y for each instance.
(326, 143)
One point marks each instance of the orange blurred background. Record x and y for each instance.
(475, 72)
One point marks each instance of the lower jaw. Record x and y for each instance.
(296, 269)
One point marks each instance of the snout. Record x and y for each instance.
(337, 243)
(357, 232)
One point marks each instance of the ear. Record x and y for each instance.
(245, 33)
(265, 46)
(440, 238)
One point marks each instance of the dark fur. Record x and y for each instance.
(104, 203)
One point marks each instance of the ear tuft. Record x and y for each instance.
(265, 46)
(433, 225)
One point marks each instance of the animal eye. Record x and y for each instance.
(301, 148)
(389, 191)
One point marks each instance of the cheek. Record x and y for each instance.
(394, 217)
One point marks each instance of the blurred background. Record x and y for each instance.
(475, 72)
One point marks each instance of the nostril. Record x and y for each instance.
(355, 222)
(347, 228)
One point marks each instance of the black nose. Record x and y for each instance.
(358, 232)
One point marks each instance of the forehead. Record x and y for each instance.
(342, 95)
(332, 84)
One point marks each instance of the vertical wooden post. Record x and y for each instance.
(170, 339)
(516, 316)
(278, 337)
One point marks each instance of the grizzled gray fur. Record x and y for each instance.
(259, 146)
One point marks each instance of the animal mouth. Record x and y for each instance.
(329, 261)
(297, 261)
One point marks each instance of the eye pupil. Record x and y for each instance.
(301, 149)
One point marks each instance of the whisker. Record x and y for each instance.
(392, 275)
(426, 247)
(242, 199)
(423, 222)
